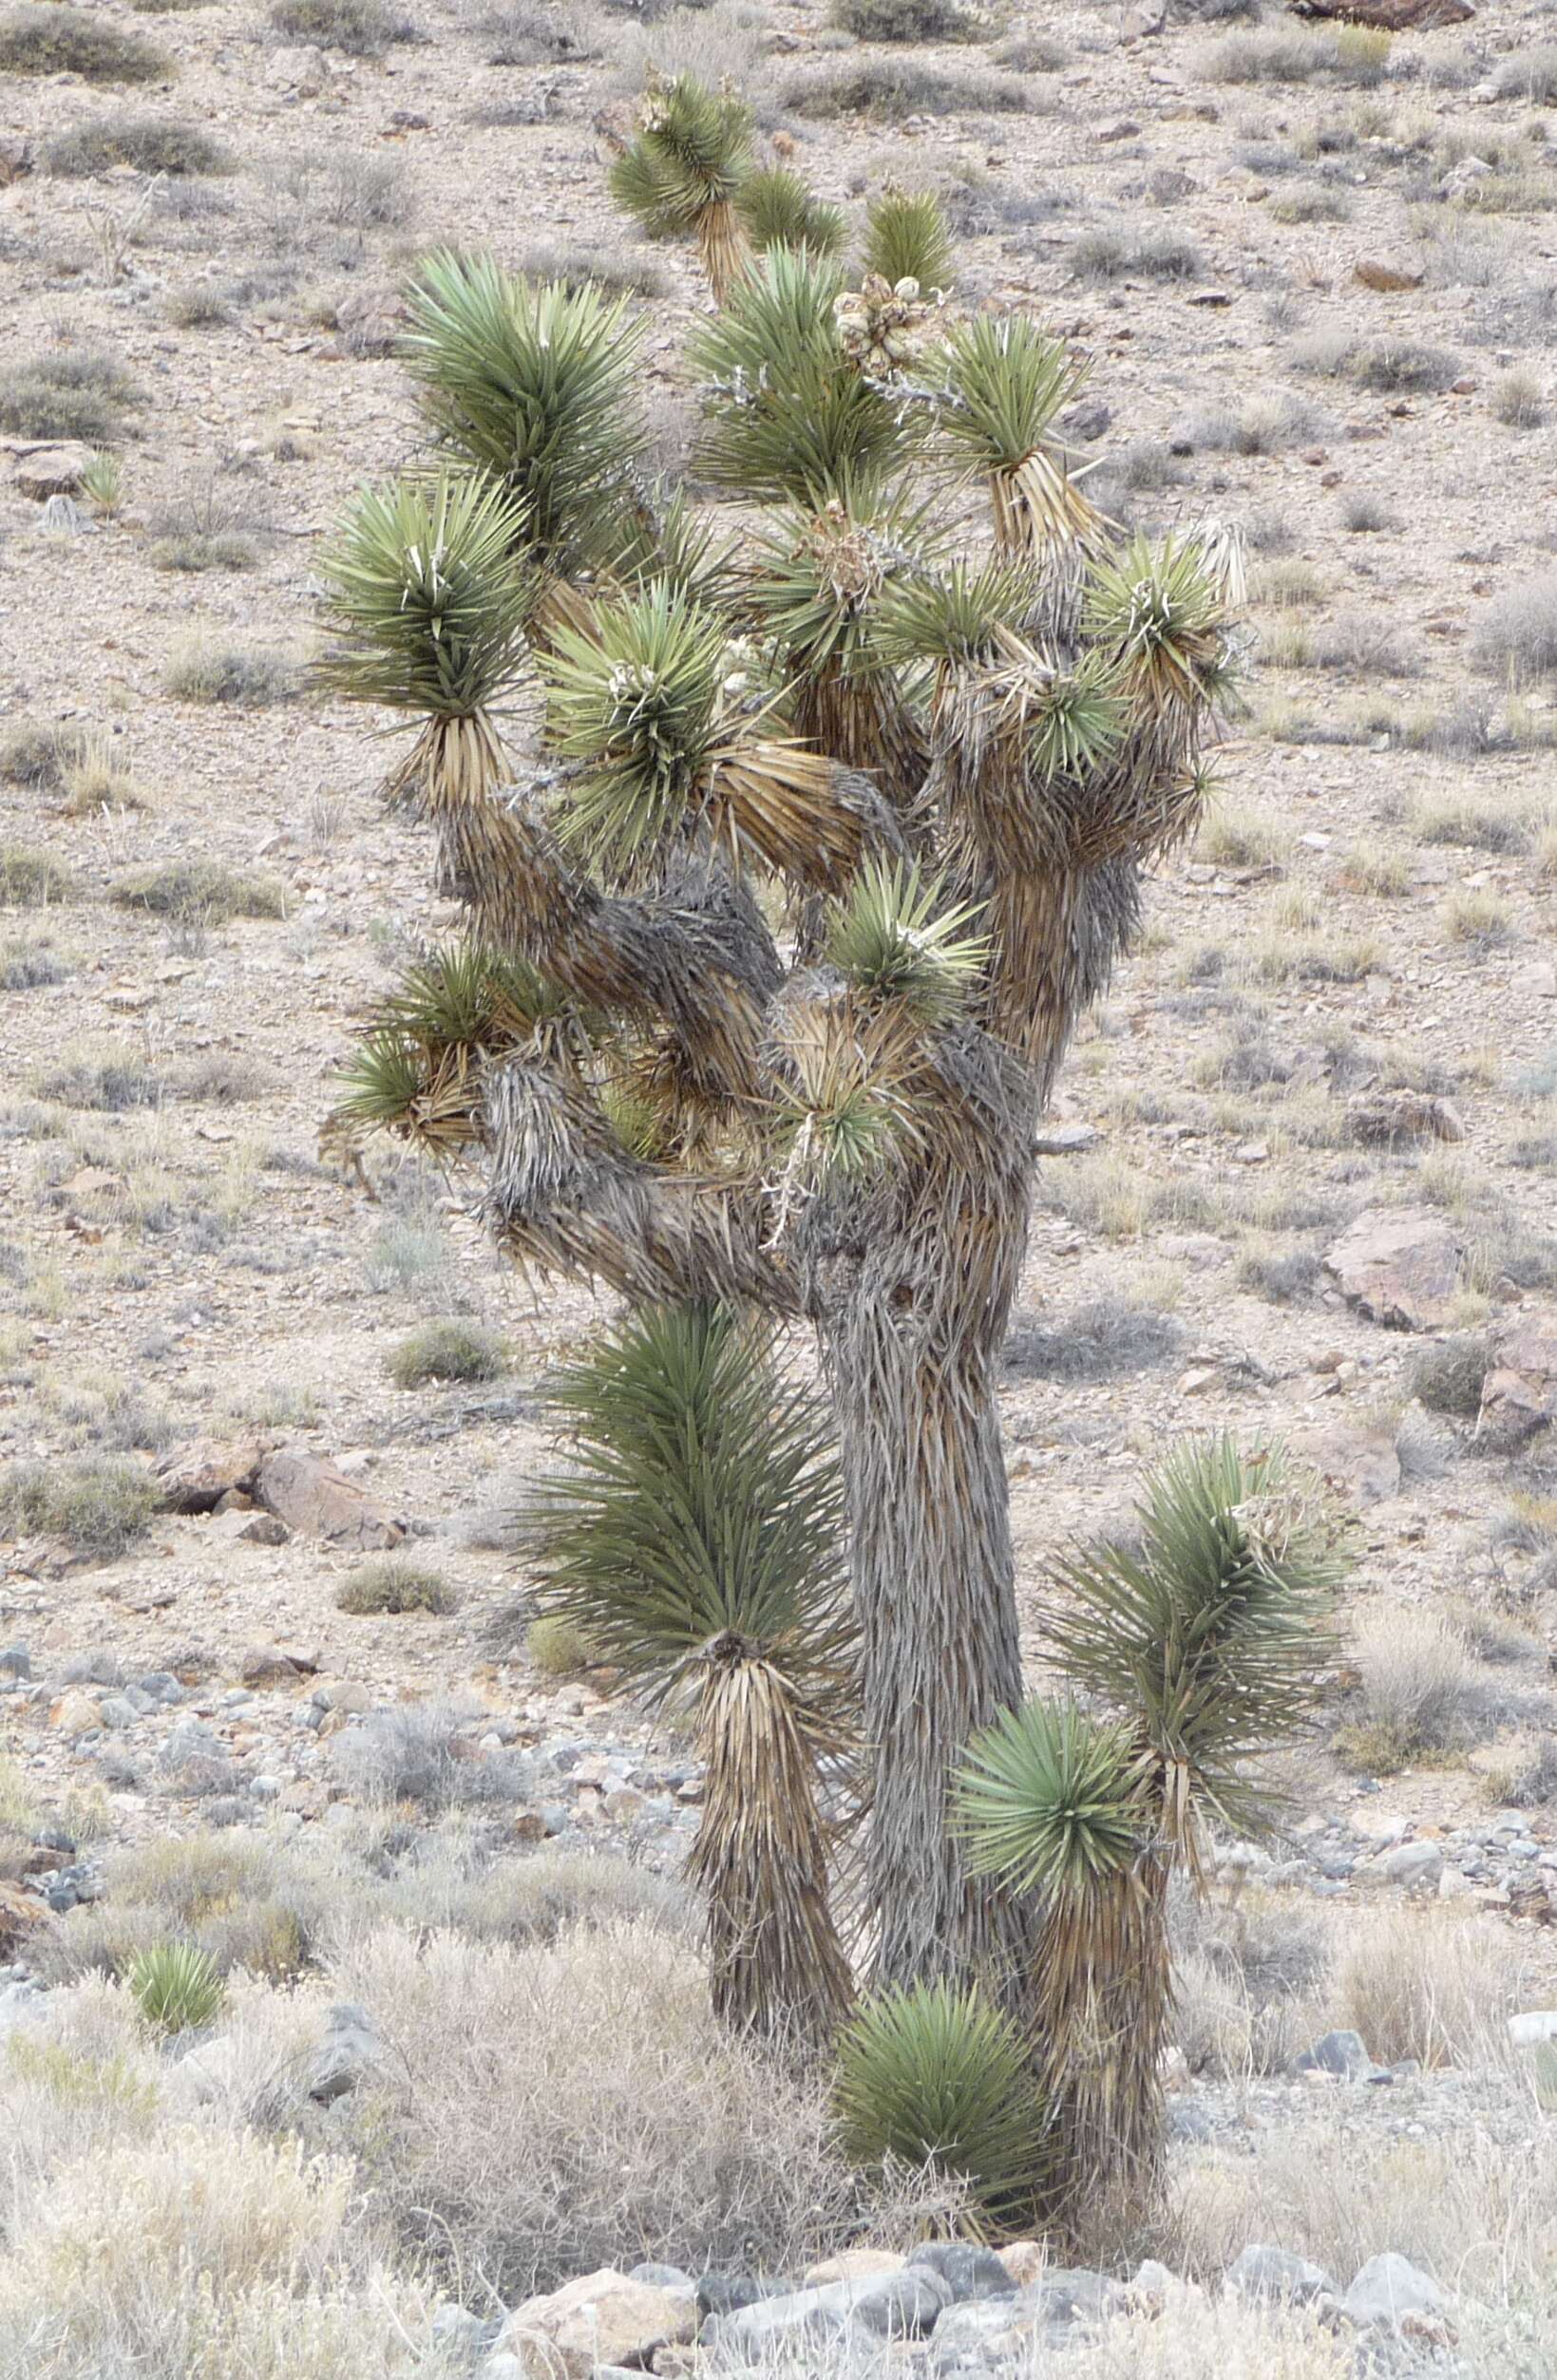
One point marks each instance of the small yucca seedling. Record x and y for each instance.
(428, 599)
(103, 483)
(907, 238)
(1005, 382)
(935, 2076)
(682, 177)
(177, 1986)
(779, 210)
(894, 942)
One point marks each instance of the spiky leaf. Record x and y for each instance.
(533, 384)
(1051, 1800)
(1005, 381)
(779, 210)
(818, 576)
(1209, 1637)
(895, 942)
(702, 1495)
(957, 617)
(1161, 614)
(786, 413)
(935, 2076)
(426, 596)
(907, 238)
(1076, 720)
(692, 153)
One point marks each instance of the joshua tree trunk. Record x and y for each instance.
(912, 1307)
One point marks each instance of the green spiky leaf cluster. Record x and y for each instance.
(1207, 1638)
(639, 705)
(818, 574)
(779, 210)
(1005, 381)
(956, 615)
(426, 596)
(1159, 613)
(1053, 1800)
(177, 1986)
(894, 942)
(786, 413)
(458, 1006)
(532, 385)
(908, 240)
(935, 2076)
(692, 153)
(1075, 721)
(701, 1495)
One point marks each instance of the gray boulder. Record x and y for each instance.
(886, 2305)
(351, 2049)
(1341, 2053)
(662, 2277)
(971, 2274)
(1389, 2286)
(1274, 2274)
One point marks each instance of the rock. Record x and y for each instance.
(20, 1915)
(51, 470)
(1118, 128)
(1401, 1265)
(600, 2319)
(972, 2274)
(854, 2264)
(370, 321)
(1340, 2054)
(1385, 276)
(77, 1713)
(1024, 2259)
(1151, 2283)
(1063, 1139)
(1383, 1118)
(1536, 2026)
(1412, 1863)
(726, 2292)
(16, 1662)
(984, 2331)
(302, 70)
(1074, 2293)
(1366, 1462)
(267, 1665)
(664, 2277)
(1267, 2274)
(311, 1496)
(888, 2305)
(1143, 24)
(239, 1527)
(1519, 1393)
(196, 1477)
(1389, 2287)
(15, 158)
(351, 2049)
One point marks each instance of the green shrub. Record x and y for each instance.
(57, 40)
(557, 1646)
(200, 890)
(38, 757)
(937, 2077)
(447, 1351)
(395, 1583)
(903, 20)
(893, 87)
(177, 1986)
(100, 1505)
(212, 670)
(1448, 1379)
(69, 392)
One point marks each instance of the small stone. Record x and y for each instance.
(76, 1713)
(1210, 297)
(1344, 2054)
(1413, 1863)
(1119, 128)
(972, 2274)
(602, 2317)
(1063, 1139)
(267, 1665)
(1534, 2025)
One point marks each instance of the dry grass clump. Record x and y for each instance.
(1151, 255)
(424, 1752)
(1192, 2335)
(1246, 1978)
(30, 880)
(1518, 629)
(99, 1505)
(448, 1349)
(213, 669)
(200, 892)
(38, 756)
(59, 40)
(364, 29)
(1416, 1690)
(1447, 1378)
(556, 1648)
(895, 88)
(393, 1584)
(903, 20)
(150, 144)
(1281, 53)
(1430, 1984)
(65, 392)
(550, 2109)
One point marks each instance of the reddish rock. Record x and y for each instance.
(1401, 1265)
(20, 1915)
(1519, 1394)
(197, 1477)
(315, 1500)
(54, 470)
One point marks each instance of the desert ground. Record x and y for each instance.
(1299, 1179)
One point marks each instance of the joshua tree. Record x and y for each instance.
(955, 771)
(1202, 1645)
(696, 1543)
